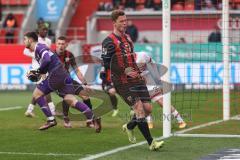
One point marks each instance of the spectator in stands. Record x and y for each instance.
(215, 2)
(198, 4)
(148, 4)
(208, 5)
(132, 30)
(215, 36)
(219, 6)
(105, 6)
(157, 5)
(130, 5)
(101, 6)
(10, 24)
(108, 6)
(116, 3)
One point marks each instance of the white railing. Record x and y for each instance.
(66, 17)
(28, 20)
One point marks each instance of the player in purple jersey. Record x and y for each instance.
(58, 80)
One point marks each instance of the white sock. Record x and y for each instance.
(30, 108)
(52, 107)
(149, 118)
(177, 116)
(50, 118)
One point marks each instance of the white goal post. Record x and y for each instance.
(225, 43)
(166, 22)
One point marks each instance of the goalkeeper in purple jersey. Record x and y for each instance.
(58, 80)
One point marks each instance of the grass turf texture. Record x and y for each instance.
(19, 134)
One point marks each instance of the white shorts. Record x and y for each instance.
(154, 92)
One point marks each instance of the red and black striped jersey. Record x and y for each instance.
(117, 55)
(68, 59)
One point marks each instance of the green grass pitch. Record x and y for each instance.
(21, 140)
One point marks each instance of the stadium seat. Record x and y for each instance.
(157, 2)
(177, 7)
(189, 7)
(140, 4)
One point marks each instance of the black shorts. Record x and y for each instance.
(77, 87)
(132, 92)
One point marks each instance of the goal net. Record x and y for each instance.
(204, 67)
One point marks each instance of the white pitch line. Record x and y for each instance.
(106, 153)
(10, 108)
(39, 154)
(103, 154)
(203, 125)
(208, 135)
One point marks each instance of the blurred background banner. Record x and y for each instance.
(191, 52)
(50, 10)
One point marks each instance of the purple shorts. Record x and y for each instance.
(59, 81)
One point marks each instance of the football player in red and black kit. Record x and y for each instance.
(68, 60)
(118, 56)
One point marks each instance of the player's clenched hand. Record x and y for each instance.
(33, 75)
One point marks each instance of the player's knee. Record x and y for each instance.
(37, 93)
(70, 100)
(84, 97)
(112, 91)
(147, 108)
(140, 113)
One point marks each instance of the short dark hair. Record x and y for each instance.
(62, 38)
(32, 35)
(116, 13)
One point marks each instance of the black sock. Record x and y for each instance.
(33, 101)
(133, 123)
(114, 101)
(143, 127)
(65, 109)
(88, 103)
